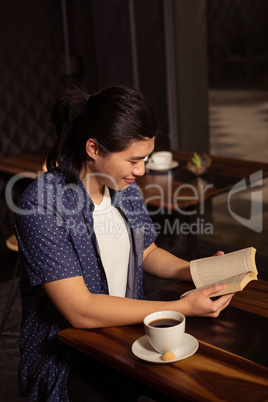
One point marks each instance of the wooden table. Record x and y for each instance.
(174, 190)
(231, 363)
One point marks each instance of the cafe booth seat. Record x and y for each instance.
(11, 244)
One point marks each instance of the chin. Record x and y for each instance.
(123, 187)
(117, 186)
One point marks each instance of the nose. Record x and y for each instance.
(139, 168)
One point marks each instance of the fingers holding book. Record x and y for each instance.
(199, 301)
(235, 269)
(219, 302)
(219, 253)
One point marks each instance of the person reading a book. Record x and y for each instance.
(85, 237)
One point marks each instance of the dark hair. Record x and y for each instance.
(114, 117)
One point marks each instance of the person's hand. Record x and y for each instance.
(199, 304)
(219, 253)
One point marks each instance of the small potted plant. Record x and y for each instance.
(199, 163)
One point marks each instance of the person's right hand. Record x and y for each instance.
(199, 303)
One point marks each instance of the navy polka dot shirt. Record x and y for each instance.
(54, 227)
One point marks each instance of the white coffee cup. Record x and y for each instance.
(162, 159)
(168, 338)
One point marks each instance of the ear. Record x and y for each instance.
(92, 148)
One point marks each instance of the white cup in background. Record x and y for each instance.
(162, 159)
(165, 338)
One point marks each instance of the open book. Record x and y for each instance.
(235, 269)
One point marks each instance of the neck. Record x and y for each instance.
(94, 188)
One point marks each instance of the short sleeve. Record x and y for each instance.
(45, 247)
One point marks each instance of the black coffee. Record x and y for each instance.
(164, 323)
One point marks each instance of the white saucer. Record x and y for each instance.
(152, 166)
(143, 349)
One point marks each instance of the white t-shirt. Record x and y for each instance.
(114, 244)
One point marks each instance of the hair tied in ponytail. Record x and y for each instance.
(77, 109)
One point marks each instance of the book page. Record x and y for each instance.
(231, 280)
(217, 269)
